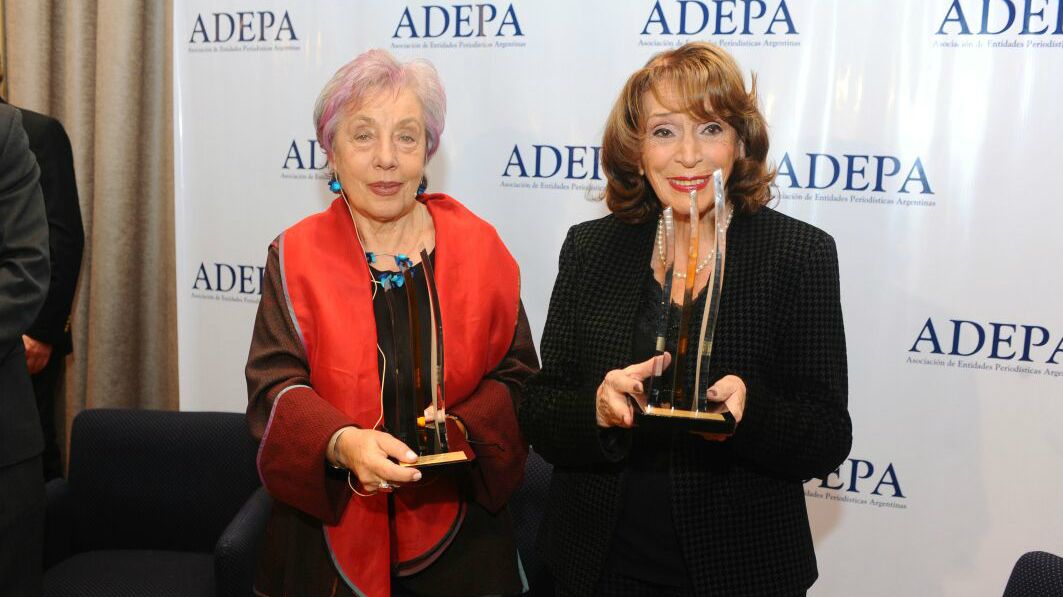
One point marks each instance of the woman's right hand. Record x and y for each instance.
(612, 406)
(365, 453)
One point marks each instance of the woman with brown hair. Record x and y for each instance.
(634, 511)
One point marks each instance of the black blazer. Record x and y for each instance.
(738, 505)
(66, 236)
(23, 286)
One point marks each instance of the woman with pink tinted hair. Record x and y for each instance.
(338, 341)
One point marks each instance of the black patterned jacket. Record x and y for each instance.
(738, 505)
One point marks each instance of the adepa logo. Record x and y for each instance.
(1021, 342)
(854, 172)
(857, 476)
(304, 155)
(228, 281)
(998, 17)
(568, 162)
(458, 21)
(242, 26)
(719, 17)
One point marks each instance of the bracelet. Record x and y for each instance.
(335, 457)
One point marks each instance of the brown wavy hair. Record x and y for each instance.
(704, 77)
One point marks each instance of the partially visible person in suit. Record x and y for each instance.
(24, 275)
(634, 512)
(48, 341)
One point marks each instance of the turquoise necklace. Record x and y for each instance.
(402, 260)
(389, 279)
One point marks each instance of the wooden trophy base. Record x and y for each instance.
(686, 420)
(438, 460)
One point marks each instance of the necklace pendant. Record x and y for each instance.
(391, 280)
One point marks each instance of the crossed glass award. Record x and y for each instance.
(677, 405)
(437, 442)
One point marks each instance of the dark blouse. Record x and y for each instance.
(484, 541)
(394, 359)
(645, 545)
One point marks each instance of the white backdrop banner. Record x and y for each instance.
(922, 134)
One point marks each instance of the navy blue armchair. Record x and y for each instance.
(527, 506)
(156, 503)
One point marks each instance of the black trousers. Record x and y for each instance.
(21, 528)
(46, 387)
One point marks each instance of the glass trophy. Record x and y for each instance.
(669, 400)
(437, 442)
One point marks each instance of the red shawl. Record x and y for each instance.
(328, 292)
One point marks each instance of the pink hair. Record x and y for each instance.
(370, 73)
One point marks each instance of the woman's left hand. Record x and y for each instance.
(730, 391)
(730, 394)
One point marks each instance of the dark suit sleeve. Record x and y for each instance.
(23, 232)
(798, 425)
(557, 414)
(66, 237)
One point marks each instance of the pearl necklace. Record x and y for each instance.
(701, 265)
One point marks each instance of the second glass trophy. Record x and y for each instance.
(438, 441)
